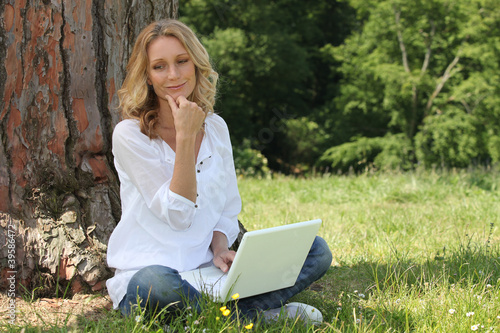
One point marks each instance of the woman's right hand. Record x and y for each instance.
(188, 116)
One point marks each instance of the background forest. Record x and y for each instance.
(345, 85)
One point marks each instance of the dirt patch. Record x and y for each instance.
(55, 312)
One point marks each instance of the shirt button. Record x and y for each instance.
(198, 171)
(201, 162)
(195, 206)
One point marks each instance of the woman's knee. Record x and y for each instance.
(155, 284)
(322, 252)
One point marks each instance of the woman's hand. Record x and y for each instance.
(224, 259)
(188, 116)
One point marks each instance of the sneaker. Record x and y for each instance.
(307, 313)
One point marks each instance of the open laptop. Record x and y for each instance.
(266, 260)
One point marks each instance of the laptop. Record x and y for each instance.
(266, 260)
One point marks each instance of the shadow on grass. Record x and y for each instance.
(365, 296)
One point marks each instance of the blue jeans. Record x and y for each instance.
(158, 287)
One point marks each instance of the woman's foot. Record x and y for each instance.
(307, 313)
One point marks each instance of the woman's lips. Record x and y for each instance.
(176, 87)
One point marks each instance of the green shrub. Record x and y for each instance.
(249, 161)
(494, 148)
(392, 151)
(449, 139)
(302, 145)
(355, 155)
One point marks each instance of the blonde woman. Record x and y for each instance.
(179, 194)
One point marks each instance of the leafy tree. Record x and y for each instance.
(413, 61)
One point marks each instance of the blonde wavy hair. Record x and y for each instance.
(139, 101)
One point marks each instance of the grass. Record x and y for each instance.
(413, 252)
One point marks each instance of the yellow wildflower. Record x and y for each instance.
(226, 312)
(236, 296)
(249, 326)
(223, 308)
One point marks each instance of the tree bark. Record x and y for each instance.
(61, 63)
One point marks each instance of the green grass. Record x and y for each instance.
(413, 252)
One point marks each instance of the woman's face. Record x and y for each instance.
(171, 70)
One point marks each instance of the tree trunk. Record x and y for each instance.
(61, 63)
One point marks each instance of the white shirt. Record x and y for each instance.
(158, 226)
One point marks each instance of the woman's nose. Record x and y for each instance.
(173, 73)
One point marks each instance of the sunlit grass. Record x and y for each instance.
(415, 245)
(413, 252)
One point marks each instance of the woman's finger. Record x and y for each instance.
(172, 103)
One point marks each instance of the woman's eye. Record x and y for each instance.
(183, 61)
(157, 67)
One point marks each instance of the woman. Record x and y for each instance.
(179, 193)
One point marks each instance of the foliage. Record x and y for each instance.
(494, 147)
(450, 139)
(359, 70)
(412, 61)
(302, 142)
(388, 152)
(250, 162)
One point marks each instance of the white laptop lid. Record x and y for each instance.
(267, 259)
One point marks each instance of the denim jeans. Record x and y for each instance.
(158, 286)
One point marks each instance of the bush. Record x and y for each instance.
(494, 148)
(450, 139)
(389, 152)
(397, 153)
(302, 145)
(249, 161)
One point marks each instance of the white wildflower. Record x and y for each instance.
(138, 319)
(474, 327)
(468, 314)
(451, 311)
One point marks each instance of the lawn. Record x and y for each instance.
(415, 252)
(412, 252)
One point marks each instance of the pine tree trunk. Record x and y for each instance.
(61, 63)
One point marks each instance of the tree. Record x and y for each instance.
(413, 61)
(61, 63)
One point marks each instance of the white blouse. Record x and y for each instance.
(158, 226)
